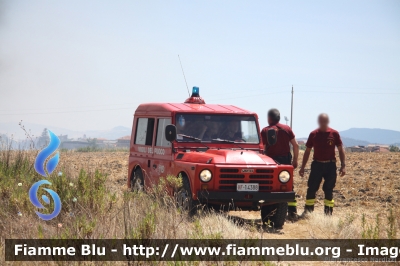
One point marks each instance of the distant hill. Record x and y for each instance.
(348, 142)
(372, 135)
(14, 129)
(365, 136)
(114, 133)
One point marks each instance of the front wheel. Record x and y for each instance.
(184, 198)
(275, 214)
(137, 183)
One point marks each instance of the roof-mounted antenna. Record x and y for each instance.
(187, 87)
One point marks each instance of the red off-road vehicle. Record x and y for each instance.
(216, 149)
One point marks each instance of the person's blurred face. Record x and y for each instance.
(213, 127)
(323, 122)
(234, 126)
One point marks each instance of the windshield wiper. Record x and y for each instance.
(227, 141)
(194, 138)
(190, 137)
(223, 140)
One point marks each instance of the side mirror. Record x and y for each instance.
(272, 137)
(170, 133)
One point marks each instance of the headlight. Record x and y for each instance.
(205, 175)
(284, 176)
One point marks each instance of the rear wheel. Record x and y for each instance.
(137, 183)
(275, 214)
(184, 198)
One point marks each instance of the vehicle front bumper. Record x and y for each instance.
(219, 196)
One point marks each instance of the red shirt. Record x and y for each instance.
(284, 136)
(324, 144)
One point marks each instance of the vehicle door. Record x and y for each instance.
(162, 153)
(144, 146)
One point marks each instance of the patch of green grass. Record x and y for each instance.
(84, 195)
(89, 205)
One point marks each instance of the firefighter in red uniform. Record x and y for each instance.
(323, 140)
(280, 152)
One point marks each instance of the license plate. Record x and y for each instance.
(247, 187)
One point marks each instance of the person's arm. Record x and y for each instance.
(202, 132)
(305, 160)
(295, 152)
(309, 146)
(342, 157)
(264, 140)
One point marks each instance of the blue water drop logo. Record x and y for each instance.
(33, 196)
(50, 166)
(45, 153)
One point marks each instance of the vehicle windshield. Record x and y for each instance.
(217, 128)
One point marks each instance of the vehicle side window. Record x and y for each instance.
(144, 131)
(160, 138)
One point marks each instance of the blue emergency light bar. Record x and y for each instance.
(195, 97)
(195, 92)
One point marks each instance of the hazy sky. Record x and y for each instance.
(88, 64)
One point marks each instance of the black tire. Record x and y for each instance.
(184, 199)
(137, 181)
(275, 214)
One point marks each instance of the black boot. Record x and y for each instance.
(292, 214)
(292, 209)
(328, 206)
(328, 210)
(307, 210)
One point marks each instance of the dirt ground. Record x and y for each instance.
(371, 185)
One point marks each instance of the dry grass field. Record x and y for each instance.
(370, 187)
(97, 204)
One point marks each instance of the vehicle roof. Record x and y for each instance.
(168, 108)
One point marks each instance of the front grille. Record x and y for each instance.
(261, 176)
(264, 171)
(229, 170)
(230, 181)
(229, 177)
(264, 181)
(232, 176)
